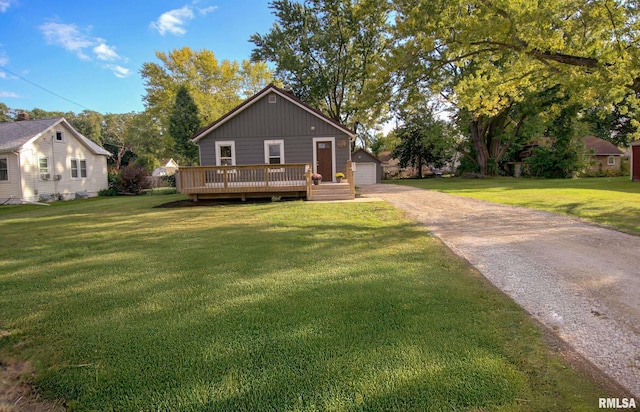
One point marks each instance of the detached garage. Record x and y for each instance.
(635, 161)
(368, 168)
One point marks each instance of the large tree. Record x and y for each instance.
(216, 87)
(486, 56)
(183, 123)
(424, 140)
(118, 138)
(330, 54)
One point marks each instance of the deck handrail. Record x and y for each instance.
(245, 178)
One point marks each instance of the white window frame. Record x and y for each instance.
(611, 161)
(6, 159)
(78, 168)
(61, 134)
(231, 143)
(267, 143)
(48, 170)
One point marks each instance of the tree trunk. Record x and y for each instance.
(478, 132)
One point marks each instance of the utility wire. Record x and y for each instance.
(40, 87)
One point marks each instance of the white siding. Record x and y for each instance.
(11, 188)
(60, 155)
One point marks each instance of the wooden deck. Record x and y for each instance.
(259, 181)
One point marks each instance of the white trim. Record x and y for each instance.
(6, 159)
(258, 97)
(266, 150)
(611, 160)
(333, 155)
(48, 168)
(78, 168)
(231, 143)
(61, 133)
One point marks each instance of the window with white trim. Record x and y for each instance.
(43, 168)
(59, 136)
(4, 169)
(274, 152)
(78, 168)
(611, 161)
(226, 153)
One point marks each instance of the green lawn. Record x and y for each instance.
(611, 201)
(274, 306)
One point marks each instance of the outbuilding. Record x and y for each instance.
(368, 169)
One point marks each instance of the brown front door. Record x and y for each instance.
(636, 162)
(324, 160)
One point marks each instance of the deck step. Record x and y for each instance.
(331, 191)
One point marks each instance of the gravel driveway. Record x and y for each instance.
(579, 279)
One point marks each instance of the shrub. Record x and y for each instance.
(133, 180)
(169, 180)
(112, 191)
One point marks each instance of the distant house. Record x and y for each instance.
(269, 145)
(167, 167)
(604, 155)
(48, 158)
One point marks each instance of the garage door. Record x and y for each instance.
(365, 174)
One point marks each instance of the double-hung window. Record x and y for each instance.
(43, 168)
(226, 153)
(274, 152)
(4, 169)
(611, 161)
(78, 168)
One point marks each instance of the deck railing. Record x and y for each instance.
(349, 176)
(248, 178)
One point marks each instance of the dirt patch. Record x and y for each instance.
(16, 395)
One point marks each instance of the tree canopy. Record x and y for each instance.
(331, 55)
(183, 123)
(216, 87)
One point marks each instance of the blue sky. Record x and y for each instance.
(91, 52)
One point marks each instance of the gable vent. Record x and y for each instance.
(272, 98)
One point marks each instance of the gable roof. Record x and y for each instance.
(601, 147)
(14, 135)
(256, 97)
(366, 153)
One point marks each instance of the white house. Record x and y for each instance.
(48, 158)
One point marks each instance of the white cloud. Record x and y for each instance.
(68, 36)
(71, 38)
(107, 53)
(119, 71)
(3, 58)
(207, 10)
(4, 5)
(173, 20)
(4, 94)
(3, 75)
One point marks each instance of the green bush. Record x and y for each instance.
(112, 191)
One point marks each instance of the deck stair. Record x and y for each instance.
(331, 191)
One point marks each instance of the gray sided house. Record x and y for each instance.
(272, 138)
(274, 127)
